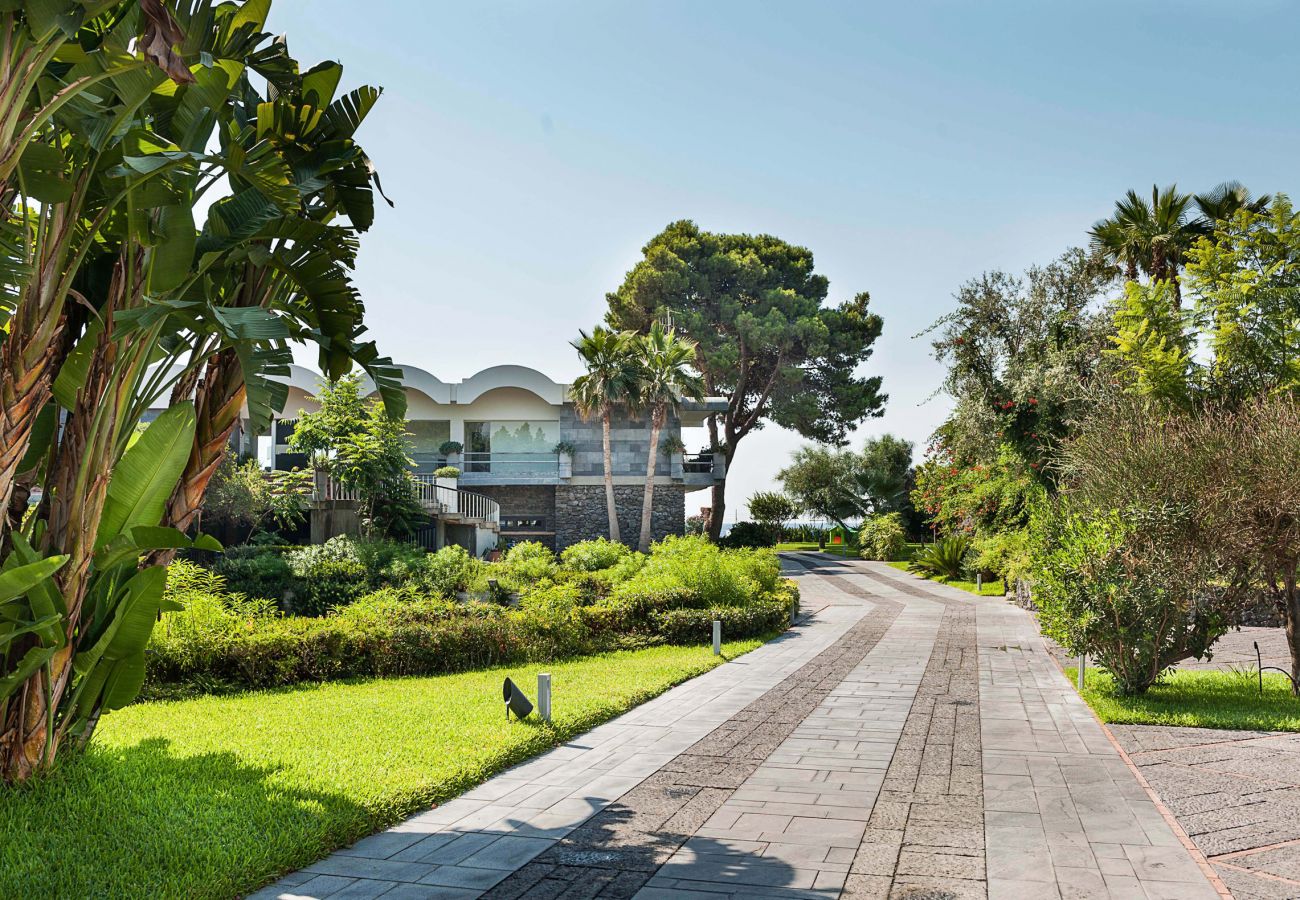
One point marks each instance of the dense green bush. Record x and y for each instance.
(256, 572)
(694, 626)
(593, 556)
(719, 577)
(1108, 586)
(329, 575)
(947, 558)
(882, 537)
(1004, 556)
(749, 535)
(448, 572)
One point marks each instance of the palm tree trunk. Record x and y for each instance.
(611, 508)
(652, 456)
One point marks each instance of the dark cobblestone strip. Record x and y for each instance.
(619, 849)
(925, 837)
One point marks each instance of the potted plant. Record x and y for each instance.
(451, 450)
(673, 447)
(564, 450)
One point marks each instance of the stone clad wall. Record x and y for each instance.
(524, 501)
(629, 441)
(580, 512)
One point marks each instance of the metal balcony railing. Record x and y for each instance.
(436, 498)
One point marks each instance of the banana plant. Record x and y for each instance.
(67, 660)
(58, 58)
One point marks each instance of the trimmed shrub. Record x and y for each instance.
(882, 537)
(260, 573)
(223, 640)
(695, 626)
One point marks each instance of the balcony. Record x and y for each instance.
(699, 469)
(510, 468)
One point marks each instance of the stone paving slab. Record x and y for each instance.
(1236, 794)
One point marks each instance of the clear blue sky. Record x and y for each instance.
(533, 147)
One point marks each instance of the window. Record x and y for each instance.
(424, 437)
(519, 447)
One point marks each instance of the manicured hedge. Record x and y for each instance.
(225, 641)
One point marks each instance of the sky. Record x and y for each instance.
(532, 148)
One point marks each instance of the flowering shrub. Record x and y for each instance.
(985, 498)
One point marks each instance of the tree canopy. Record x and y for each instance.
(754, 306)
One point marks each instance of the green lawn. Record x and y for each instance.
(811, 547)
(214, 796)
(988, 589)
(1198, 699)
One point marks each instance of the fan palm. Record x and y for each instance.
(665, 377)
(610, 383)
(1224, 201)
(1151, 236)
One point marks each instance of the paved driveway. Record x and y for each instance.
(905, 740)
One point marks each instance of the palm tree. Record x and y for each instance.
(1224, 201)
(611, 382)
(1153, 237)
(666, 376)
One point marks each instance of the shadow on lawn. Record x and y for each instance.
(142, 821)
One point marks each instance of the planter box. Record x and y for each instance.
(450, 499)
(566, 465)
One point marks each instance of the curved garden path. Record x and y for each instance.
(905, 740)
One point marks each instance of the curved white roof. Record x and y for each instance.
(439, 391)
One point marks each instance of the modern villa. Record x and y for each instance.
(531, 467)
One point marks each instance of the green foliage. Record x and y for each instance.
(754, 306)
(1017, 349)
(984, 497)
(773, 509)
(1152, 344)
(843, 484)
(448, 572)
(411, 626)
(243, 495)
(593, 556)
(1108, 586)
(946, 559)
(882, 537)
(1245, 277)
(750, 535)
(364, 449)
(327, 576)
(448, 447)
(446, 472)
(1004, 555)
(262, 573)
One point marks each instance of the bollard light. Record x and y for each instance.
(544, 696)
(979, 582)
(516, 701)
(1083, 667)
(717, 637)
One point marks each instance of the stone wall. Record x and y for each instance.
(580, 512)
(524, 501)
(629, 442)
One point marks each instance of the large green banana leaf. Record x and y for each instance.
(147, 473)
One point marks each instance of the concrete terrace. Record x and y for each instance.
(905, 740)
